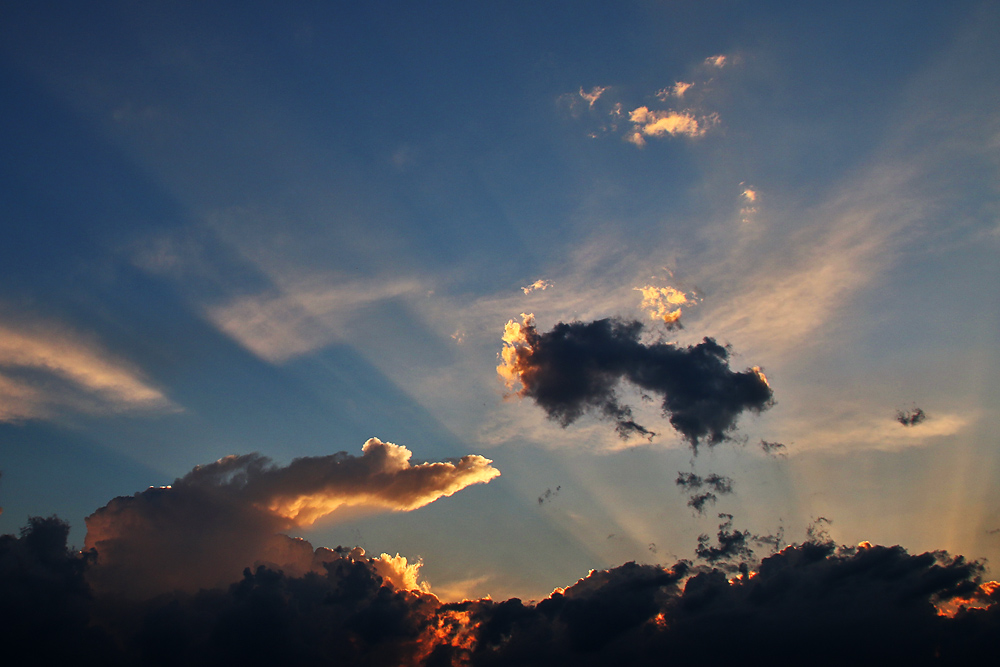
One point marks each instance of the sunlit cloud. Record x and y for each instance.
(716, 61)
(537, 285)
(663, 303)
(668, 122)
(45, 368)
(221, 517)
(594, 94)
(677, 90)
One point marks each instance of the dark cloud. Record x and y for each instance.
(693, 483)
(549, 495)
(773, 448)
(911, 417)
(575, 368)
(813, 603)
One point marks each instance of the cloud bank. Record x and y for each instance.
(814, 603)
(575, 369)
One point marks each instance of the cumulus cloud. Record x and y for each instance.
(575, 369)
(668, 122)
(45, 368)
(664, 304)
(537, 285)
(219, 518)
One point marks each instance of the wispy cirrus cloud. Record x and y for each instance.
(47, 368)
(300, 317)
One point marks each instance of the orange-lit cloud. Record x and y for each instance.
(677, 90)
(594, 94)
(663, 303)
(648, 123)
(45, 368)
(537, 285)
(224, 516)
(716, 61)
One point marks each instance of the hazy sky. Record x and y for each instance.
(287, 228)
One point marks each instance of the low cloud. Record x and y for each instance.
(221, 517)
(881, 604)
(575, 369)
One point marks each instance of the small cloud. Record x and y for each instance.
(716, 61)
(537, 285)
(668, 122)
(771, 448)
(663, 303)
(911, 417)
(548, 495)
(594, 94)
(677, 90)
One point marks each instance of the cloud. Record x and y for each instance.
(221, 517)
(718, 485)
(549, 495)
(45, 368)
(668, 122)
(677, 90)
(663, 303)
(911, 417)
(301, 316)
(772, 448)
(575, 368)
(881, 604)
(594, 94)
(537, 285)
(716, 61)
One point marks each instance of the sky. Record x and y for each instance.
(512, 291)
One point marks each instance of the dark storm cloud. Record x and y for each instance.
(813, 603)
(575, 368)
(911, 417)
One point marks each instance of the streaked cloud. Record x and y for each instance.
(46, 368)
(594, 94)
(301, 317)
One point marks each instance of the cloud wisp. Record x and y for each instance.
(703, 490)
(575, 368)
(45, 368)
(221, 517)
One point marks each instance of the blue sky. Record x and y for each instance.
(286, 229)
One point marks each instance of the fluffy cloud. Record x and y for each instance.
(667, 122)
(219, 518)
(574, 369)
